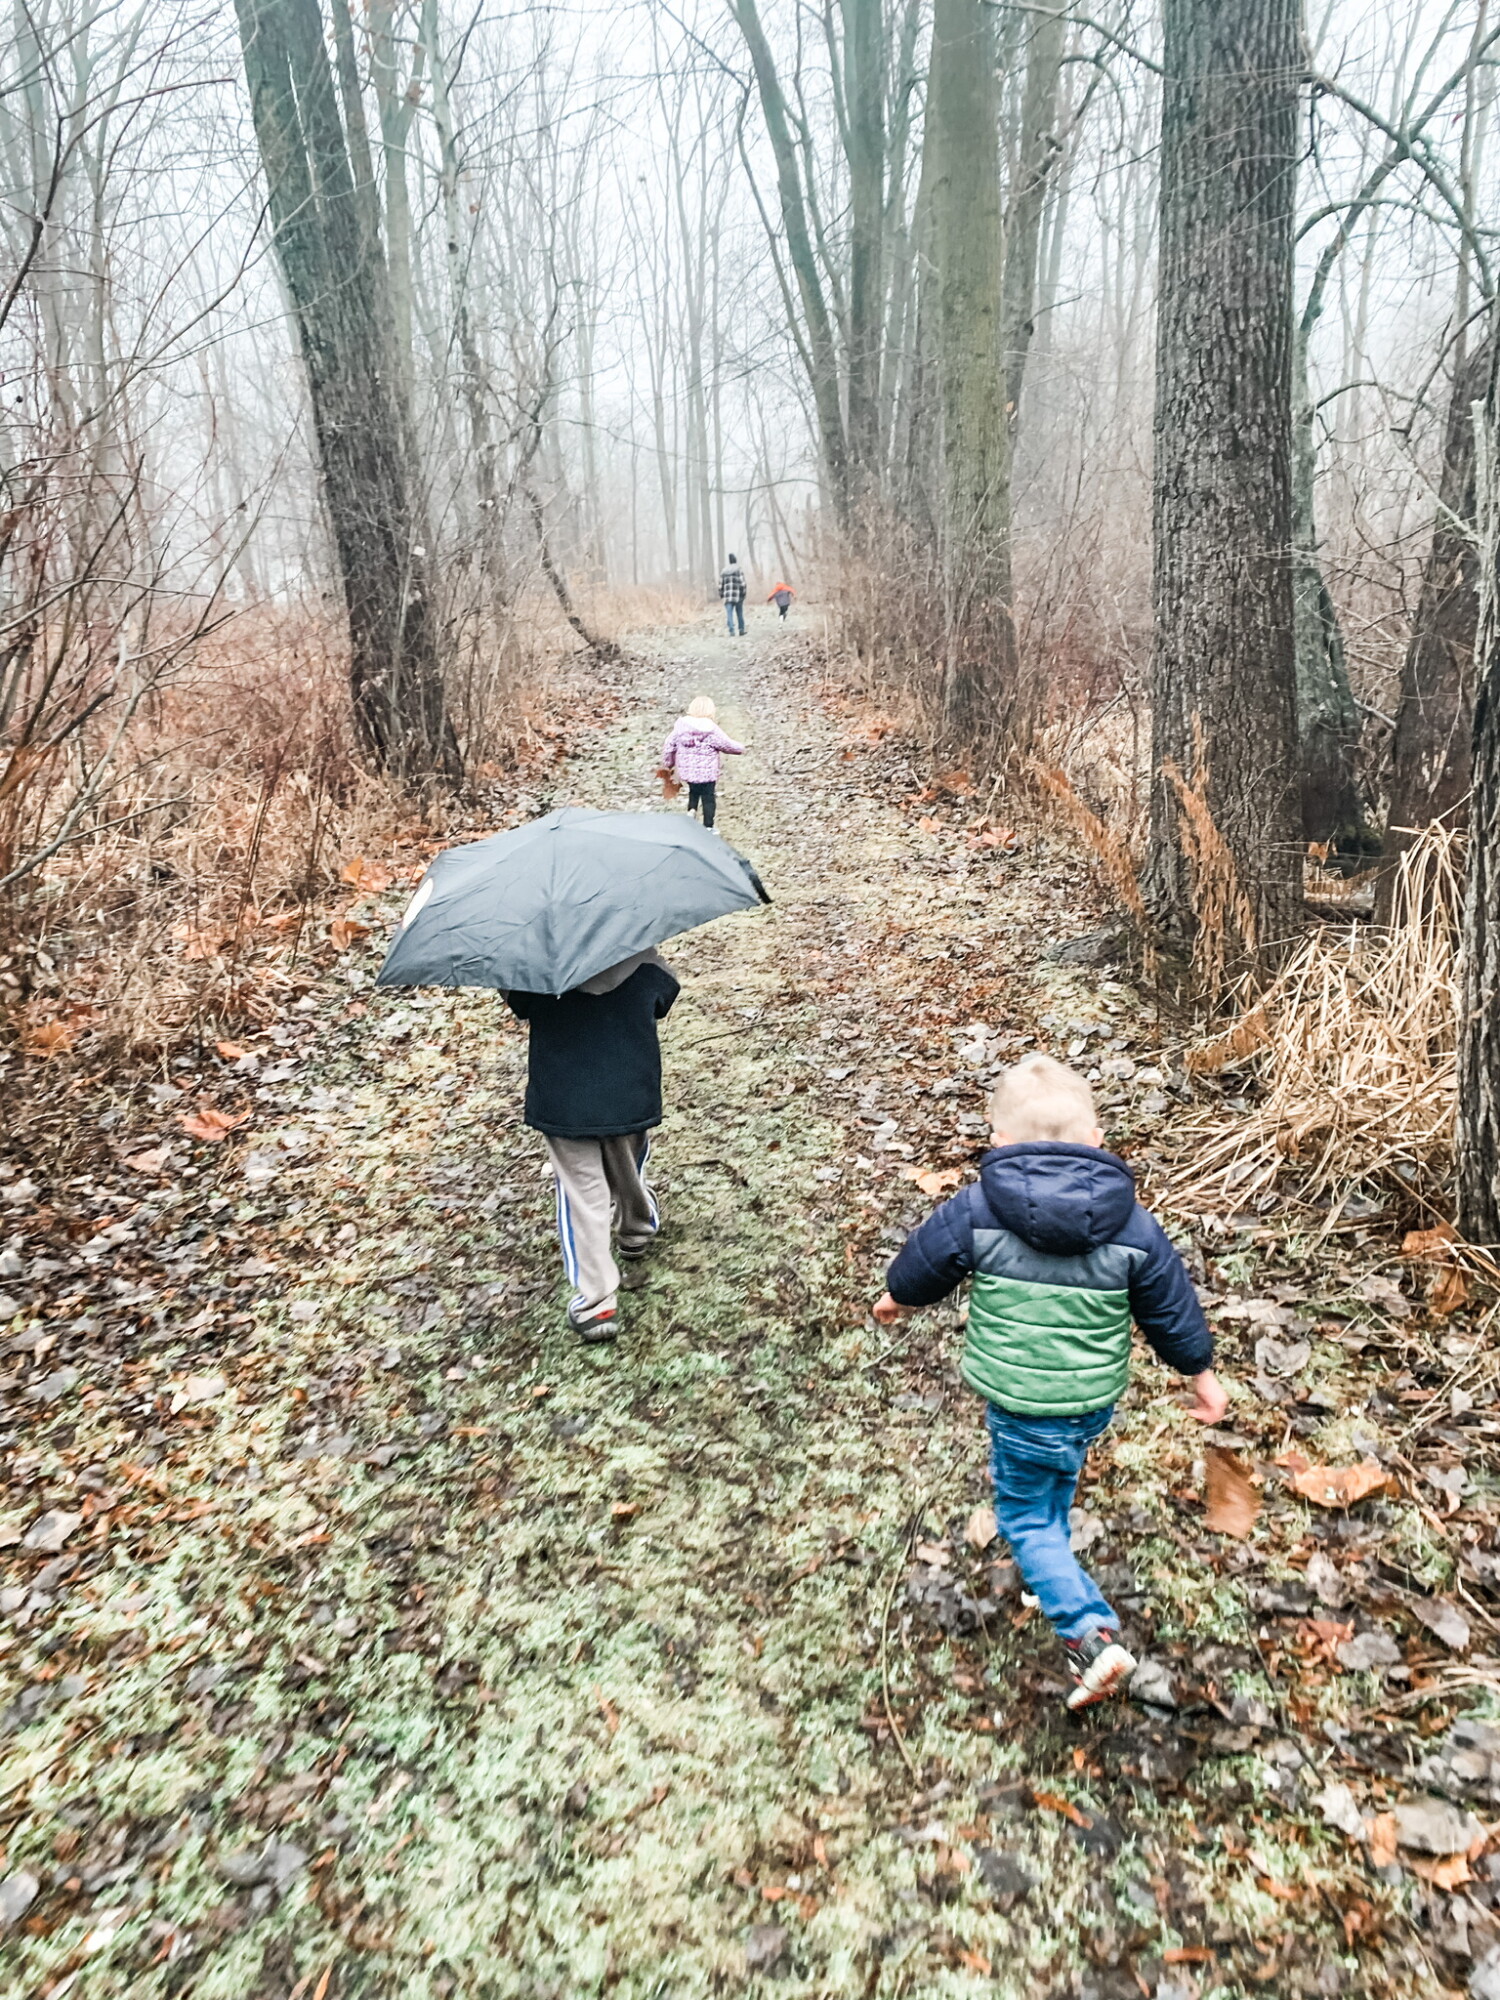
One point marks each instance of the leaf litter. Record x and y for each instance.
(380, 1640)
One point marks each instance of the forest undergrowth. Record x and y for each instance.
(366, 1635)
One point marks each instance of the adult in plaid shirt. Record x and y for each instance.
(732, 591)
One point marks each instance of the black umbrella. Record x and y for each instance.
(544, 907)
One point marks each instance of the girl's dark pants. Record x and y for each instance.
(703, 795)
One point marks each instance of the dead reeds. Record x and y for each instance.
(1352, 1049)
(1224, 928)
(1116, 862)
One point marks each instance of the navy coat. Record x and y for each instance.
(1052, 1217)
(594, 1064)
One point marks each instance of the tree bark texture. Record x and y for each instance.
(1224, 664)
(967, 239)
(337, 281)
(1479, 1012)
(1434, 743)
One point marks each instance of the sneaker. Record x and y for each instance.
(1100, 1665)
(597, 1323)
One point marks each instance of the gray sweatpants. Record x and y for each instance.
(600, 1181)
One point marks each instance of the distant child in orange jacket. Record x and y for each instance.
(781, 595)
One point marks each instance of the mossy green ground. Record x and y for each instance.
(554, 1671)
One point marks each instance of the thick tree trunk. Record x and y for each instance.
(1433, 749)
(1224, 666)
(963, 172)
(336, 279)
(1479, 1013)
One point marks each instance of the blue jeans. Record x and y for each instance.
(733, 610)
(1036, 1462)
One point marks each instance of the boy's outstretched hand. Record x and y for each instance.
(1209, 1400)
(887, 1311)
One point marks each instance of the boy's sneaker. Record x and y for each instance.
(597, 1323)
(1100, 1665)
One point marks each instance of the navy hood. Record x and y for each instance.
(1058, 1197)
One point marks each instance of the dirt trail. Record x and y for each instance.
(417, 1642)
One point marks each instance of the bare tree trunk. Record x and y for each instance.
(603, 649)
(963, 134)
(1433, 749)
(1328, 725)
(1479, 1013)
(337, 281)
(1039, 153)
(1224, 667)
(864, 110)
(475, 375)
(820, 348)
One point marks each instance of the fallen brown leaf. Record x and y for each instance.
(209, 1125)
(1055, 1802)
(1381, 1834)
(1450, 1291)
(368, 878)
(981, 1529)
(1232, 1502)
(1429, 1243)
(1336, 1485)
(934, 1182)
(1451, 1871)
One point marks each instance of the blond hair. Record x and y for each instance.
(701, 706)
(1041, 1098)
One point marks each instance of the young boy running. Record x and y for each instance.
(1062, 1258)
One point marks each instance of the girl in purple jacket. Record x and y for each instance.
(692, 753)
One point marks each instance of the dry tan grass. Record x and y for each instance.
(1353, 1048)
(1224, 933)
(1116, 861)
(242, 843)
(618, 608)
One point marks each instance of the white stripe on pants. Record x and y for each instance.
(600, 1181)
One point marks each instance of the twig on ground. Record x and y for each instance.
(914, 1523)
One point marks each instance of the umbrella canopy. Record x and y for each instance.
(544, 907)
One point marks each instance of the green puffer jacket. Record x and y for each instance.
(1062, 1258)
